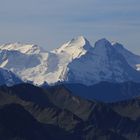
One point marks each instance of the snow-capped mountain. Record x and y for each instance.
(101, 63)
(74, 62)
(66, 54)
(41, 66)
(8, 78)
(27, 61)
(132, 59)
(23, 48)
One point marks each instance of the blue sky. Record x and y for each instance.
(50, 23)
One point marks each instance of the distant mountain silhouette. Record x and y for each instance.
(106, 91)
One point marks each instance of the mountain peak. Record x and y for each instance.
(81, 40)
(102, 43)
(23, 48)
(103, 46)
(132, 59)
(78, 42)
(75, 48)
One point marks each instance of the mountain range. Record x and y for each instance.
(77, 91)
(105, 91)
(28, 112)
(74, 62)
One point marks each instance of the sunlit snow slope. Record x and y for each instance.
(74, 62)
